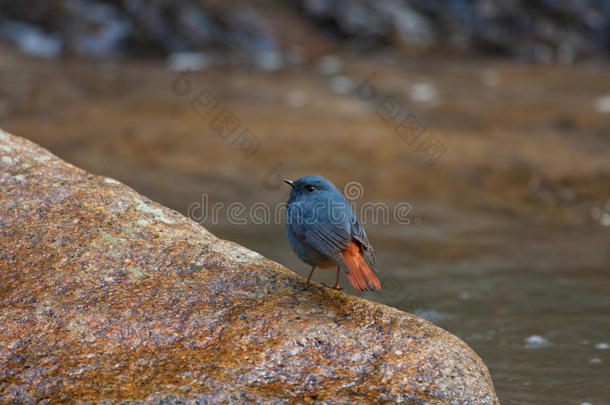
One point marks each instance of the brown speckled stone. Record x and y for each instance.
(108, 296)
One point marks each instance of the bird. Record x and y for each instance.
(323, 231)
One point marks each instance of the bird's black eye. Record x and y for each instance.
(310, 188)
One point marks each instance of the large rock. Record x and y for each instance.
(106, 295)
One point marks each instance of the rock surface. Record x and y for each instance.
(106, 295)
(560, 30)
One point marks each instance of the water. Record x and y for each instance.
(532, 301)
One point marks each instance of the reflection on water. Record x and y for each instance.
(532, 302)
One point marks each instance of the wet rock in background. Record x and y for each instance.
(272, 33)
(30, 39)
(106, 295)
(242, 32)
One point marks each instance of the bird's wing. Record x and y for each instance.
(330, 239)
(359, 235)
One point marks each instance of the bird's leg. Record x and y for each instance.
(310, 274)
(336, 286)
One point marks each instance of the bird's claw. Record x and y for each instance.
(305, 286)
(333, 287)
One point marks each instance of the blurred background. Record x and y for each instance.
(489, 120)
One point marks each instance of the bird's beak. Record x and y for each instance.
(289, 182)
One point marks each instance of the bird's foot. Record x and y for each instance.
(335, 287)
(305, 286)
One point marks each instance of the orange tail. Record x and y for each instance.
(360, 276)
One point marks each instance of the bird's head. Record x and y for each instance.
(310, 185)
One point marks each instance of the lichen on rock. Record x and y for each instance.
(108, 296)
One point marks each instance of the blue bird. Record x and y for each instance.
(323, 231)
